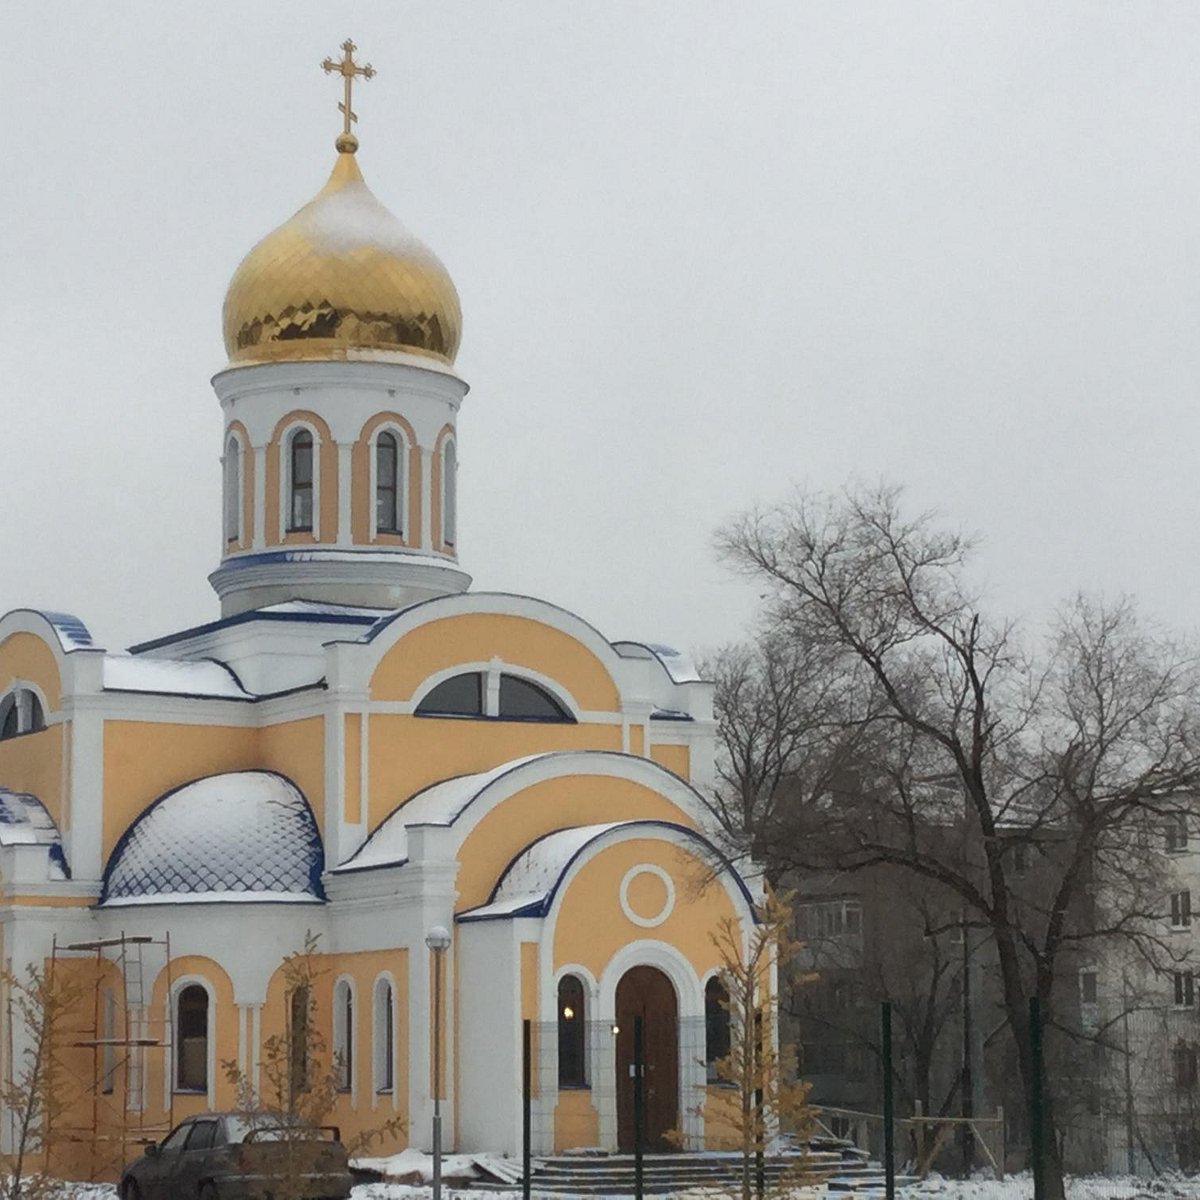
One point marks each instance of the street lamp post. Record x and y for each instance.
(438, 940)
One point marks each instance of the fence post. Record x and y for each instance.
(760, 1131)
(639, 1110)
(1037, 1127)
(526, 1104)
(889, 1105)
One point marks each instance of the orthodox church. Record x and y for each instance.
(362, 749)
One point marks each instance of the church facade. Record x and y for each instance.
(361, 749)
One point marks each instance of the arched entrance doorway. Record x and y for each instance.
(647, 993)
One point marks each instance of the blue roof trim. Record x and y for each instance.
(388, 866)
(254, 614)
(15, 809)
(316, 864)
(529, 910)
(72, 633)
(542, 908)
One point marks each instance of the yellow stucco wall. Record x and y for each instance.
(674, 758)
(478, 637)
(406, 754)
(297, 749)
(543, 807)
(576, 1122)
(143, 759)
(26, 656)
(34, 763)
(592, 926)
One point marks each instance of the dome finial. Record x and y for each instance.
(346, 142)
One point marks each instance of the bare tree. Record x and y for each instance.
(985, 746)
(39, 1003)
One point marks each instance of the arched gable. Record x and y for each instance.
(430, 638)
(34, 647)
(496, 814)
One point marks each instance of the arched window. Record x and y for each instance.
(21, 712)
(191, 1039)
(300, 481)
(299, 1036)
(384, 1037)
(450, 494)
(459, 696)
(521, 700)
(491, 694)
(343, 1034)
(233, 490)
(716, 1025)
(572, 1057)
(389, 484)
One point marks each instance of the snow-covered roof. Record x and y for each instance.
(439, 804)
(241, 836)
(678, 666)
(24, 821)
(176, 677)
(528, 884)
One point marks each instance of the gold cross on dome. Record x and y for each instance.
(348, 69)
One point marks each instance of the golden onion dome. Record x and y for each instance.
(341, 279)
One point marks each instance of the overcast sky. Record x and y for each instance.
(704, 251)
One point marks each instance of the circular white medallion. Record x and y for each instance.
(668, 903)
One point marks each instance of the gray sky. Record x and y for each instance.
(704, 250)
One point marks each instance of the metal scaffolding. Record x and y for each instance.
(107, 1118)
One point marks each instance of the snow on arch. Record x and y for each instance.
(25, 821)
(239, 836)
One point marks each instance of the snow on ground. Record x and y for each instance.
(1015, 1187)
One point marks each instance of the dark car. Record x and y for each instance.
(241, 1156)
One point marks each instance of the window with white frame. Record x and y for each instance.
(1176, 833)
(449, 493)
(301, 465)
(384, 1037)
(191, 1039)
(823, 920)
(389, 483)
(233, 490)
(343, 1034)
(1088, 987)
(512, 698)
(1181, 909)
(21, 712)
(1185, 989)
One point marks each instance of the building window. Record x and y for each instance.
(572, 1064)
(300, 481)
(384, 1037)
(1088, 989)
(521, 700)
(829, 919)
(1186, 1072)
(1185, 989)
(191, 1024)
(1176, 833)
(21, 712)
(1181, 909)
(450, 494)
(299, 1037)
(389, 484)
(716, 1026)
(459, 696)
(233, 490)
(511, 698)
(343, 1034)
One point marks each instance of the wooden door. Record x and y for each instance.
(648, 993)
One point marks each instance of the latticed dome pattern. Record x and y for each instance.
(247, 835)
